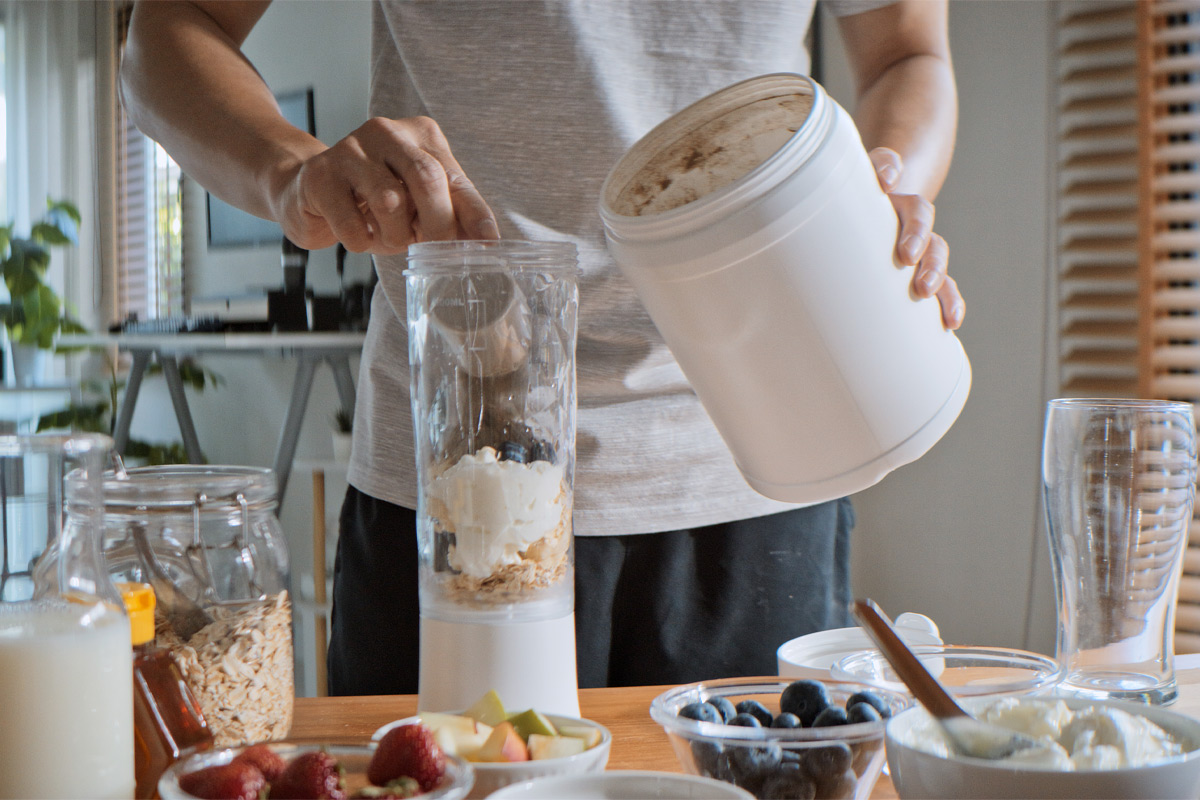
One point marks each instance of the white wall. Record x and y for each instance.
(958, 535)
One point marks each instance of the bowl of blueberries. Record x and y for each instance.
(781, 738)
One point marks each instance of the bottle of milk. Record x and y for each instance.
(66, 680)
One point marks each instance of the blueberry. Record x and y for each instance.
(804, 698)
(872, 699)
(788, 782)
(862, 712)
(745, 721)
(750, 766)
(513, 451)
(838, 787)
(723, 705)
(830, 717)
(827, 761)
(705, 755)
(701, 712)
(786, 719)
(756, 710)
(541, 450)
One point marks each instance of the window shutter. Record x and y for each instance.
(1097, 152)
(1128, 203)
(148, 278)
(133, 237)
(1169, 192)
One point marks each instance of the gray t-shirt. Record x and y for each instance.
(538, 100)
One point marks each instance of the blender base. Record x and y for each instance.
(529, 664)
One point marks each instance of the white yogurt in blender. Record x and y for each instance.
(497, 509)
(1088, 738)
(66, 701)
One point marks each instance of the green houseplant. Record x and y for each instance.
(95, 412)
(34, 314)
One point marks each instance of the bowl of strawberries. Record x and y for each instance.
(409, 763)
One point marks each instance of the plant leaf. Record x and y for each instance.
(50, 234)
(57, 207)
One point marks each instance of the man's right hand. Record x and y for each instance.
(390, 183)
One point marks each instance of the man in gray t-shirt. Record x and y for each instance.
(502, 118)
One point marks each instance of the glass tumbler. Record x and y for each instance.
(1118, 479)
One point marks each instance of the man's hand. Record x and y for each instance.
(917, 243)
(388, 184)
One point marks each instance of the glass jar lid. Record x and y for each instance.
(183, 487)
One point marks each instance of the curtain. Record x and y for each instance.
(50, 75)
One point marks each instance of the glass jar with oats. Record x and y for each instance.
(208, 541)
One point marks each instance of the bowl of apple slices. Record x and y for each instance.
(506, 746)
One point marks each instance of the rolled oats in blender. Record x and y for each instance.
(492, 329)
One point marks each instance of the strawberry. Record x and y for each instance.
(269, 763)
(314, 775)
(232, 781)
(408, 750)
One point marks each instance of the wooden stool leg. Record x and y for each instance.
(319, 622)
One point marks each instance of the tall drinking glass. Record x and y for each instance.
(1118, 479)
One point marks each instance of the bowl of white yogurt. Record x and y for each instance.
(1096, 749)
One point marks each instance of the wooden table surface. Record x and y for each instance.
(638, 742)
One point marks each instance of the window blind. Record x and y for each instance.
(1169, 245)
(147, 278)
(1128, 206)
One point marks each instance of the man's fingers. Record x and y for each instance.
(888, 166)
(475, 218)
(916, 226)
(931, 271)
(388, 184)
(954, 309)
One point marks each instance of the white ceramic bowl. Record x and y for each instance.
(353, 759)
(812, 655)
(918, 774)
(839, 762)
(623, 785)
(491, 776)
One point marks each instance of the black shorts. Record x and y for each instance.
(650, 609)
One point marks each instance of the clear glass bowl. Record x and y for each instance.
(842, 761)
(964, 671)
(353, 759)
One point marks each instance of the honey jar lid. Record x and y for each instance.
(139, 603)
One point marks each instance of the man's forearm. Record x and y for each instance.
(907, 100)
(912, 109)
(186, 84)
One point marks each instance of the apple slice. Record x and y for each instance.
(504, 744)
(455, 734)
(529, 722)
(542, 747)
(589, 735)
(488, 709)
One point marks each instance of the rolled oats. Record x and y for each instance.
(240, 669)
